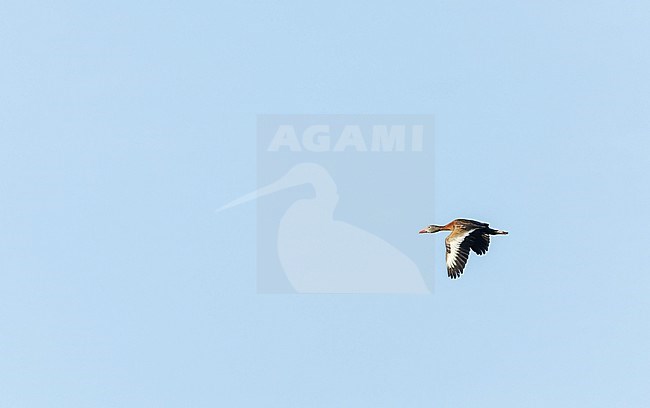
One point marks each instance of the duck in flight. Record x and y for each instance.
(465, 235)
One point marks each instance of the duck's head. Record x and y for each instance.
(431, 229)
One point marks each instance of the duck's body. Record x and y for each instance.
(465, 235)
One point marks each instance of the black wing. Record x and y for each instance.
(479, 241)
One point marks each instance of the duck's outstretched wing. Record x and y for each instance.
(458, 245)
(479, 241)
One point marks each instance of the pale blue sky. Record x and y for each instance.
(123, 126)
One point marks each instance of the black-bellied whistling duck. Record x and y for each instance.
(465, 235)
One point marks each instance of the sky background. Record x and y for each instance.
(124, 126)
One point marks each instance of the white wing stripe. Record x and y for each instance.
(454, 248)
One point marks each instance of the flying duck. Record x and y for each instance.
(465, 235)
